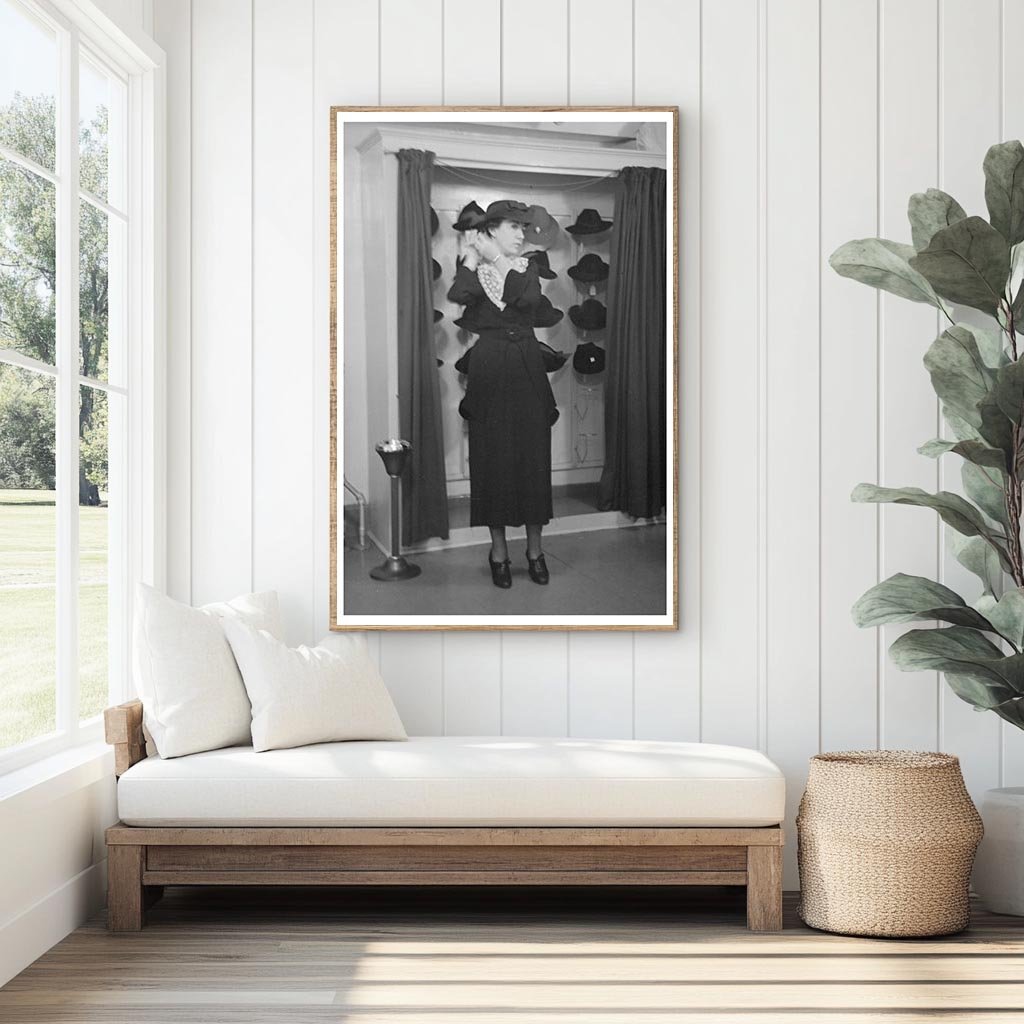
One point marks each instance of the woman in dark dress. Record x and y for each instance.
(508, 404)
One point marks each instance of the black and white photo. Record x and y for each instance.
(504, 383)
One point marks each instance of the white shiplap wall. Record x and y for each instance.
(803, 123)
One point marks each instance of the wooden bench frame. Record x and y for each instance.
(142, 860)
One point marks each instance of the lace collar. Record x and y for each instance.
(492, 281)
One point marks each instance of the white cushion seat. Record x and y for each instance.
(459, 781)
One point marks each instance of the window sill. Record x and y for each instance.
(55, 776)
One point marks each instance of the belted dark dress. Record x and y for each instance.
(508, 404)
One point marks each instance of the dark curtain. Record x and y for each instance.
(635, 475)
(425, 496)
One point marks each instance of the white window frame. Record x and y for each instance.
(140, 63)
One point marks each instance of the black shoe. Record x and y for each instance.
(538, 569)
(501, 573)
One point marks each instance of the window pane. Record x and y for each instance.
(28, 546)
(102, 108)
(28, 263)
(28, 85)
(101, 293)
(93, 551)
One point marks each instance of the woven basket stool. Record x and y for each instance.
(885, 843)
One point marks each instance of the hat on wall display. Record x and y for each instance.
(434, 223)
(438, 315)
(539, 258)
(590, 316)
(552, 360)
(588, 358)
(546, 315)
(589, 269)
(469, 216)
(589, 222)
(542, 230)
(437, 269)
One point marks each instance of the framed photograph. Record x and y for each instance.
(504, 368)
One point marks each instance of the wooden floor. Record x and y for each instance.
(489, 956)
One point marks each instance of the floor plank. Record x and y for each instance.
(606, 956)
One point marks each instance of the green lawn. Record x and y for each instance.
(28, 616)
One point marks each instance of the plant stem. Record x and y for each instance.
(1012, 497)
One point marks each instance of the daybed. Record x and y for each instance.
(444, 811)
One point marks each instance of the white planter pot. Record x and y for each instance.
(999, 866)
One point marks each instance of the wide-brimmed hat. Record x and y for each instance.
(546, 314)
(436, 268)
(434, 224)
(469, 216)
(588, 358)
(542, 230)
(590, 316)
(507, 209)
(438, 315)
(589, 269)
(589, 222)
(539, 259)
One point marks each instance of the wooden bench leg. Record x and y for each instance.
(764, 888)
(125, 898)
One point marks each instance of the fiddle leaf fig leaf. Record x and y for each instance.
(1009, 390)
(1004, 189)
(962, 430)
(929, 212)
(964, 652)
(959, 374)
(973, 451)
(952, 509)
(883, 264)
(1006, 614)
(903, 598)
(979, 557)
(967, 263)
(990, 345)
(996, 428)
(985, 487)
(980, 692)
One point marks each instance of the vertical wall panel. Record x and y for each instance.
(414, 674)
(909, 414)
(601, 684)
(534, 52)
(411, 62)
(535, 680)
(1012, 127)
(969, 124)
(599, 73)
(472, 29)
(792, 385)
(667, 665)
(729, 358)
(173, 30)
(221, 377)
(345, 50)
(849, 372)
(472, 684)
(283, 336)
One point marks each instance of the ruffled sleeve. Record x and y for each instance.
(466, 288)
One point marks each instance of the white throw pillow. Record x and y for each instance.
(309, 694)
(192, 693)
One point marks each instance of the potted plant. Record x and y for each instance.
(978, 374)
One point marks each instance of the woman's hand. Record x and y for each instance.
(470, 252)
(487, 247)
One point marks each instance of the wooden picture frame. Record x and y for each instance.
(571, 158)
